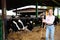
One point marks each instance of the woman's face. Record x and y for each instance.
(50, 12)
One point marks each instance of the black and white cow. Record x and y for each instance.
(16, 24)
(56, 20)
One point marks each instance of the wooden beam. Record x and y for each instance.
(56, 2)
(3, 2)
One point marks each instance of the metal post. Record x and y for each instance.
(3, 2)
(36, 9)
(53, 10)
(16, 11)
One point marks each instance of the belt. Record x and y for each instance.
(50, 24)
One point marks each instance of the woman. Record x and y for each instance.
(49, 24)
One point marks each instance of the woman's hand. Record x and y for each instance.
(43, 20)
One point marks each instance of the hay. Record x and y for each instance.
(35, 34)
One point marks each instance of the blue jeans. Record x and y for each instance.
(50, 31)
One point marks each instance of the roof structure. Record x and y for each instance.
(13, 4)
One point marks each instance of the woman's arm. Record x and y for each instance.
(47, 21)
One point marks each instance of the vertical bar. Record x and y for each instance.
(36, 8)
(1, 32)
(3, 2)
(57, 12)
(16, 11)
(53, 10)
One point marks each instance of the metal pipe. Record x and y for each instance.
(36, 9)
